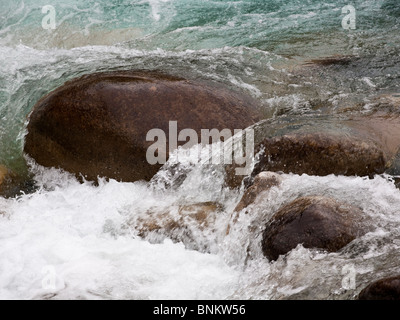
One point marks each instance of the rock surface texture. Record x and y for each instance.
(383, 289)
(97, 125)
(314, 222)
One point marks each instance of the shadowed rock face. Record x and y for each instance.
(314, 222)
(97, 125)
(384, 289)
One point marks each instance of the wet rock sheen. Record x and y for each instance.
(314, 222)
(383, 289)
(96, 125)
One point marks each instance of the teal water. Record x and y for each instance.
(261, 48)
(251, 45)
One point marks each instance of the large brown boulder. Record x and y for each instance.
(96, 125)
(314, 222)
(383, 289)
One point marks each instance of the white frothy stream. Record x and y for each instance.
(78, 232)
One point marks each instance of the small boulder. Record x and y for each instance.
(383, 289)
(315, 222)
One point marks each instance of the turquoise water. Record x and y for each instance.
(254, 46)
(261, 48)
(251, 45)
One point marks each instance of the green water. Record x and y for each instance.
(258, 47)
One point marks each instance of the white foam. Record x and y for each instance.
(80, 232)
(75, 228)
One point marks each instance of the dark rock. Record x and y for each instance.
(384, 289)
(359, 145)
(314, 222)
(96, 125)
(165, 221)
(321, 154)
(332, 60)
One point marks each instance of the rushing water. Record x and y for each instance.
(88, 236)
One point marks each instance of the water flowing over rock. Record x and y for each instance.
(181, 223)
(264, 181)
(356, 145)
(321, 154)
(314, 222)
(383, 289)
(96, 125)
(4, 174)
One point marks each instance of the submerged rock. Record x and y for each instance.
(13, 184)
(331, 60)
(4, 175)
(96, 125)
(198, 213)
(263, 182)
(9, 182)
(383, 289)
(314, 222)
(186, 223)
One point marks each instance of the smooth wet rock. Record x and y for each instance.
(352, 145)
(96, 125)
(263, 182)
(383, 289)
(321, 154)
(315, 222)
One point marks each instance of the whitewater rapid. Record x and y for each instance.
(67, 240)
(83, 236)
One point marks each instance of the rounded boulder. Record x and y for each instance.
(314, 222)
(97, 125)
(383, 289)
